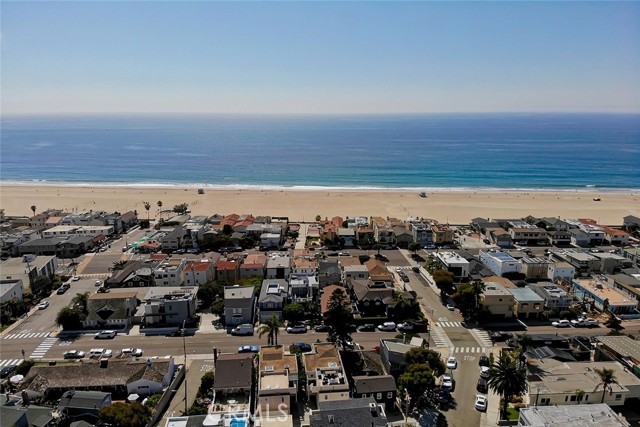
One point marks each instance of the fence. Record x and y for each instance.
(166, 397)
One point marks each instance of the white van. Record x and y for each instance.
(245, 329)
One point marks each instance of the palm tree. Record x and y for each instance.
(33, 209)
(608, 377)
(523, 341)
(270, 328)
(377, 247)
(147, 206)
(159, 205)
(478, 289)
(508, 378)
(414, 247)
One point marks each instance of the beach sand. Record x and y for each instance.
(453, 207)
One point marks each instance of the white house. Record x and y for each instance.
(500, 263)
(560, 270)
(11, 290)
(155, 377)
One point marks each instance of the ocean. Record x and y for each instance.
(434, 151)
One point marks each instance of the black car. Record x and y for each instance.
(484, 361)
(501, 336)
(303, 346)
(4, 373)
(61, 290)
(482, 386)
(369, 327)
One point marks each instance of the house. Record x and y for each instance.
(602, 294)
(421, 233)
(500, 263)
(277, 380)
(329, 273)
(132, 274)
(557, 382)
(325, 298)
(594, 415)
(631, 222)
(231, 390)
(382, 388)
(622, 348)
(579, 237)
(560, 270)
(27, 268)
(555, 298)
(372, 299)
(253, 266)
(20, 412)
(498, 300)
(228, 271)
(304, 266)
(63, 247)
(170, 272)
(278, 266)
(11, 291)
(442, 234)
(611, 263)
(80, 230)
(356, 272)
(112, 310)
(559, 237)
(365, 235)
(326, 378)
(626, 284)
(378, 272)
(383, 233)
(529, 235)
(455, 264)
(348, 413)
(404, 237)
(303, 288)
(171, 308)
(347, 236)
(274, 294)
(270, 240)
(528, 304)
(393, 353)
(583, 262)
(120, 377)
(616, 237)
(84, 405)
(499, 237)
(239, 304)
(534, 267)
(198, 272)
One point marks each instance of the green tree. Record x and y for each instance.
(207, 293)
(419, 355)
(227, 230)
(33, 209)
(443, 279)
(614, 323)
(404, 308)
(69, 318)
(339, 318)
(416, 380)
(318, 218)
(144, 223)
(270, 328)
(465, 300)
(607, 377)
(293, 312)
(523, 342)
(41, 285)
(80, 302)
(206, 383)
(159, 205)
(508, 378)
(119, 265)
(478, 287)
(181, 209)
(147, 206)
(217, 307)
(125, 415)
(152, 400)
(414, 247)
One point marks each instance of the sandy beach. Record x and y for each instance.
(453, 207)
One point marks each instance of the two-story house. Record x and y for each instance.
(239, 304)
(274, 294)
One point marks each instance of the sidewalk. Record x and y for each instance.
(491, 417)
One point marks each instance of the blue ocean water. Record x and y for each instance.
(472, 151)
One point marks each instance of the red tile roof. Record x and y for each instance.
(227, 265)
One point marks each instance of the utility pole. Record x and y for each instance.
(184, 348)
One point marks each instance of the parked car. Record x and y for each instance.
(134, 352)
(561, 324)
(62, 289)
(484, 372)
(387, 327)
(303, 346)
(4, 373)
(484, 361)
(248, 349)
(448, 383)
(75, 278)
(482, 385)
(99, 283)
(100, 352)
(73, 354)
(500, 336)
(405, 327)
(102, 335)
(296, 329)
(43, 304)
(481, 402)
(416, 269)
(451, 307)
(368, 327)
(244, 329)
(321, 328)
(452, 363)
(585, 322)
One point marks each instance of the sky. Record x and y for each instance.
(319, 57)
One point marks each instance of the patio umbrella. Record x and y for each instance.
(16, 379)
(133, 397)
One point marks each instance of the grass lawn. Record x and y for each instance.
(513, 414)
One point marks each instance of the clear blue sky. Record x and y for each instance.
(319, 57)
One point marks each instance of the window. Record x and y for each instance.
(545, 401)
(618, 397)
(573, 398)
(389, 395)
(379, 396)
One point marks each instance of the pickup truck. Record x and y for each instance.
(585, 322)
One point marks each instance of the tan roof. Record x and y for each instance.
(274, 356)
(348, 260)
(501, 280)
(326, 296)
(325, 354)
(114, 295)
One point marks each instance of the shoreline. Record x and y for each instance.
(454, 207)
(276, 187)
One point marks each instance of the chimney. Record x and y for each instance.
(374, 410)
